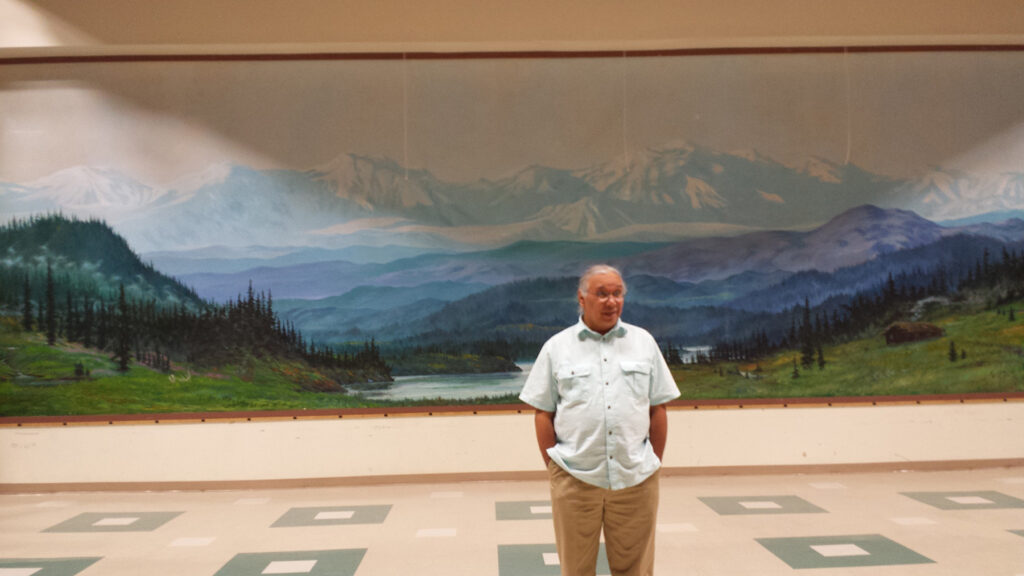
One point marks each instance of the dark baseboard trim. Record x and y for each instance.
(847, 468)
(510, 476)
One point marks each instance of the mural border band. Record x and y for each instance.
(483, 409)
(488, 410)
(483, 55)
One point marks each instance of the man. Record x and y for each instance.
(600, 389)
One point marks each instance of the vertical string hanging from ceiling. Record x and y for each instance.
(405, 114)
(849, 104)
(625, 145)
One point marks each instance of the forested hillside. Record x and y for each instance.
(79, 282)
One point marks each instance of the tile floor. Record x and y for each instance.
(968, 522)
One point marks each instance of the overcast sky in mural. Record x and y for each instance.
(468, 119)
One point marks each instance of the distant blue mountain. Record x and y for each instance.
(367, 310)
(999, 217)
(226, 260)
(707, 270)
(534, 309)
(918, 263)
(527, 288)
(318, 280)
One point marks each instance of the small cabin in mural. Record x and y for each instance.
(901, 332)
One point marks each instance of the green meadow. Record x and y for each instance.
(41, 380)
(990, 358)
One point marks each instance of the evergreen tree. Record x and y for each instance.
(792, 332)
(821, 358)
(41, 316)
(672, 356)
(1012, 316)
(796, 370)
(890, 289)
(70, 318)
(122, 335)
(102, 327)
(806, 337)
(86, 328)
(51, 308)
(26, 306)
(952, 351)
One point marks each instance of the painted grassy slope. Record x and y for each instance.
(994, 362)
(39, 380)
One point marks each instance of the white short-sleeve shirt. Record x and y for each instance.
(601, 389)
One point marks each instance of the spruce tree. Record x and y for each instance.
(122, 334)
(51, 308)
(806, 337)
(102, 325)
(41, 315)
(952, 351)
(26, 306)
(70, 318)
(86, 328)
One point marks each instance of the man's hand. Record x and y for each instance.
(658, 433)
(544, 422)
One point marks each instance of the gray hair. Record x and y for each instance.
(594, 270)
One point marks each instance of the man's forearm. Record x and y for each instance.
(658, 433)
(544, 422)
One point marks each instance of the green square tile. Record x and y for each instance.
(841, 551)
(975, 500)
(538, 560)
(115, 522)
(527, 510)
(313, 563)
(742, 505)
(45, 567)
(333, 515)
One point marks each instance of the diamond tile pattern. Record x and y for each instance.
(936, 523)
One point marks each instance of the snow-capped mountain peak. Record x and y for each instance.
(212, 175)
(375, 183)
(821, 169)
(84, 188)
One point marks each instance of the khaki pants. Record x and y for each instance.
(628, 517)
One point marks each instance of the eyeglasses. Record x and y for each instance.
(606, 296)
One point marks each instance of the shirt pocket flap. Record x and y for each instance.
(635, 367)
(577, 371)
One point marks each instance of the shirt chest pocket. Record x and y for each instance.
(572, 381)
(638, 376)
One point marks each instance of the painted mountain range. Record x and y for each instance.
(364, 246)
(659, 195)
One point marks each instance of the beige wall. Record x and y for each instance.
(129, 26)
(499, 445)
(496, 443)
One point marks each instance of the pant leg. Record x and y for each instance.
(577, 509)
(630, 520)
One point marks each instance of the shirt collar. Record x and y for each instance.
(584, 332)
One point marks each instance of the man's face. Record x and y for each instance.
(602, 303)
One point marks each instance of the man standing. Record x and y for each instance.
(600, 389)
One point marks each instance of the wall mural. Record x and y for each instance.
(203, 235)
